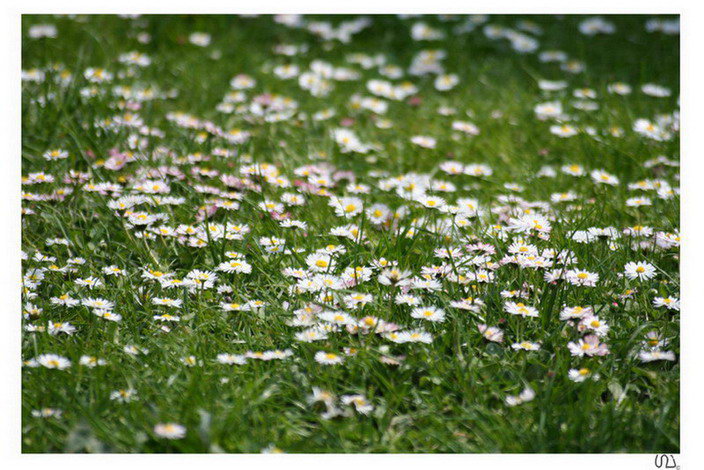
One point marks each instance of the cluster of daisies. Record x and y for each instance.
(331, 252)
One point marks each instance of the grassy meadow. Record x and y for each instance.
(350, 234)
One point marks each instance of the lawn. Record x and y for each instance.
(358, 234)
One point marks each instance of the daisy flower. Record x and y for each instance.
(639, 270)
(519, 308)
(433, 314)
(53, 361)
(580, 375)
(170, 430)
(589, 346)
(491, 333)
(526, 345)
(672, 303)
(650, 356)
(328, 358)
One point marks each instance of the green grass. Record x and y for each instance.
(447, 396)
